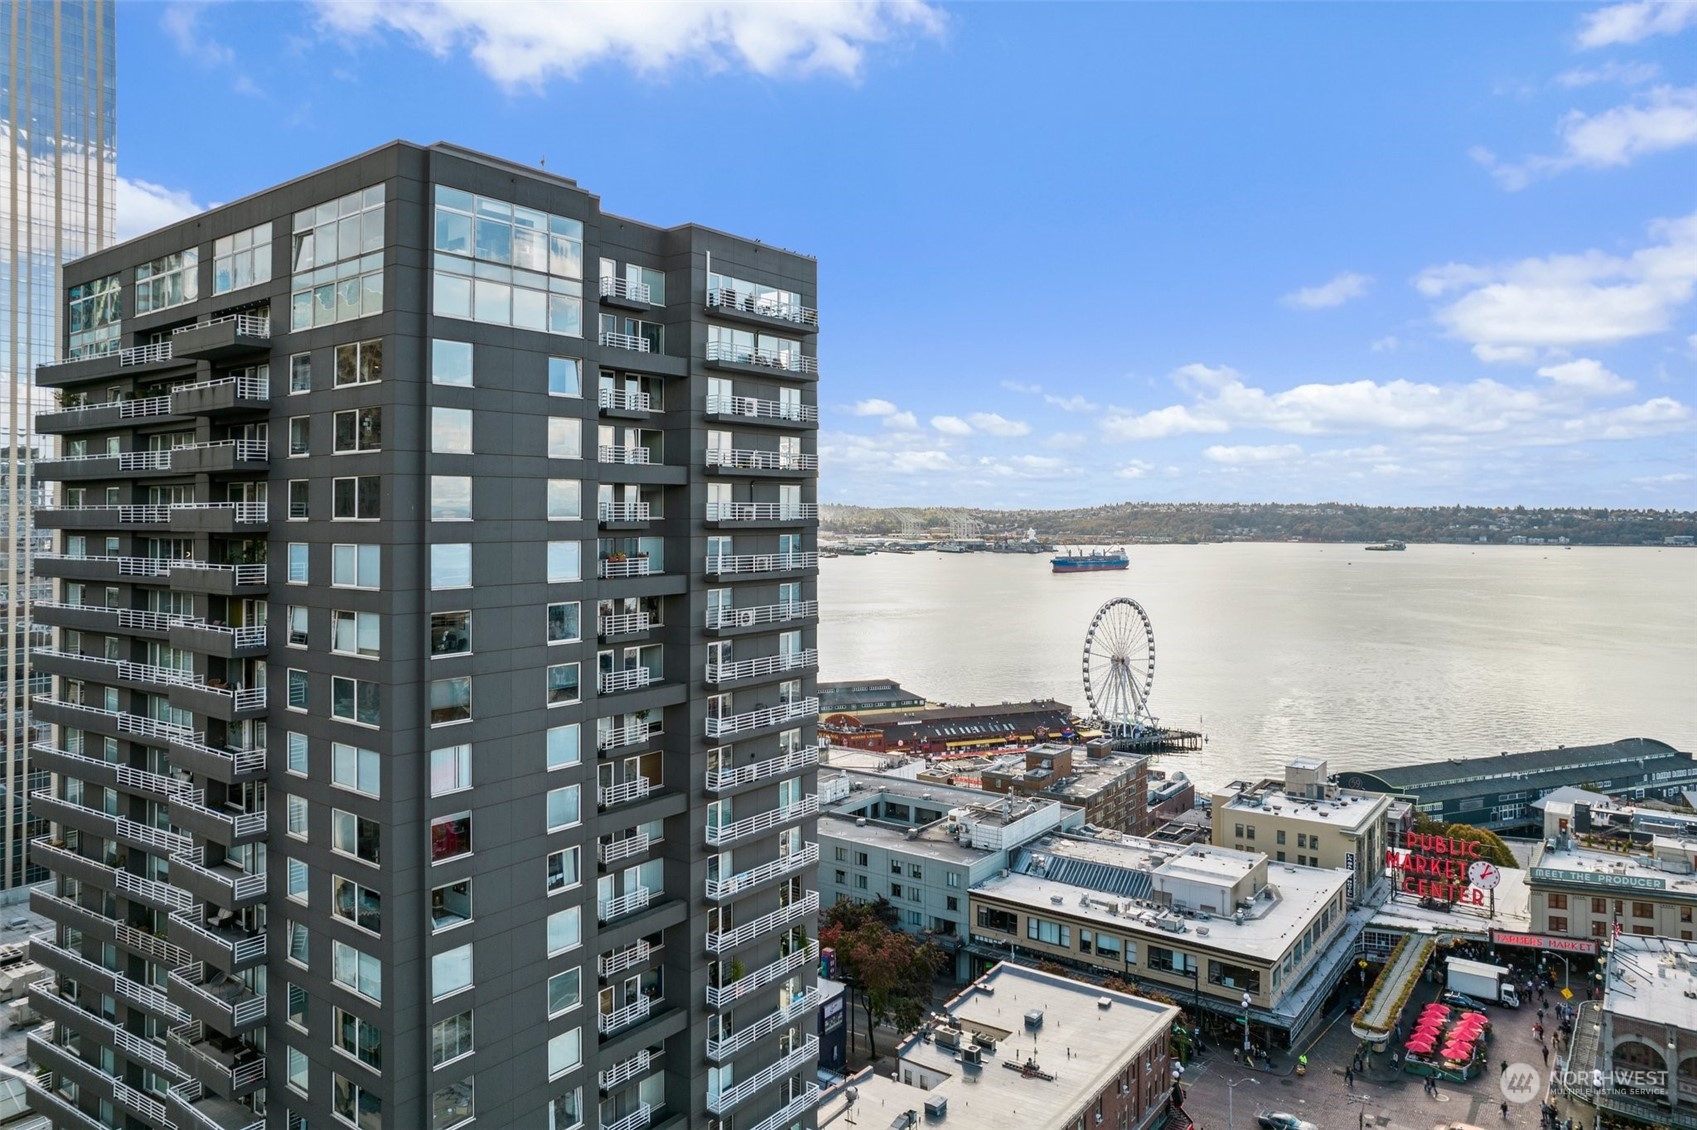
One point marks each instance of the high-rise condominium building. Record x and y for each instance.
(58, 101)
(433, 706)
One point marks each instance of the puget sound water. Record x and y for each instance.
(1275, 650)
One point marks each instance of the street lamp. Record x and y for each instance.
(1361, 1101)
(1566, 968)
(1246, 1020)
(1231, 1090)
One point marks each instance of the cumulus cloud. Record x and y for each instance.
(525, 43)
(1587, 377)
(951, 425)
(873, 407)
(1334, 292)
(1632, 22)
(1664, 119)
(1657, 416)
(1123, 423)
(1136, 469)
(1199, 377)
(991, 423)
(1248, 453)
(143, 206)
(1569, 300)
(901, 421)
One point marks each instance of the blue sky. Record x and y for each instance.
(1078, 253)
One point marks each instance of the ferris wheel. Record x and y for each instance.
(1119, 667)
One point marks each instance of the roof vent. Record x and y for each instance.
(937, 1106)
(860, 821)
(1034, 1018)
(1104, 1002)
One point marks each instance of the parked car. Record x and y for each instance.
(1279, 1120)
(1462, 1000)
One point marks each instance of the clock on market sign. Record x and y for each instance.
(1484, 874)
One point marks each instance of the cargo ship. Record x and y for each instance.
(1387, 547)
(1095, 561)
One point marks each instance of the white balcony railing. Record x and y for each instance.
(624, 288)
(234, 821)
(242, 513)
(632, 733)
(743, 880)
(719, 941)
(762, 665)
(239, 945)
(244, 574)
(626, 400)
(722, 564)
(720, 995)
(626, 847)
(614, 453)
(634, 342)
(248, 387)
(789, 360)
(127, 566)
(806, 1053)
(621, 1073)
(247, 325)
(721, 834)
(126, 723)
(145, 354)
(746, 459)
(624, 792)
(757, 409)
(148, 836)
(628, 567)
(750, 302)
(235, 1000)
(765, 1026)
(792, 1110)
(616, 962)
(796, 760)
(624, 624)
(239, 884)
(630, 679)
(637, 1119)
(718, 618)
(623, 512)
(761, 717)
(761, 512)
(628, 903)
(633, 1013)
(246, 760)
(153, 890)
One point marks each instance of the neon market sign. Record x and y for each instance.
(1435, 867)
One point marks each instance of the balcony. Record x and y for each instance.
(623, 292)
(721, 889)
(234, 1071)
(624, 792)
(96, 568)
(807, 1054)
(784, 765)
(721, 941)
(153, 947)
(230, 456)
(628, 903)
(44, 1097)
(245, 393)
(629, 679)
(637, 1119)
(742, 1038)
(616, 962)
(227, 704)
(216, 937)
(68, 912)
(792, 1110)
(612, 1078)
(155, 892)
(759, 362)
(749, 461)
(191, 753)
(762, 718)
(760, 514)
(762, 667)
(635, 1012)
(228, 824)
(223, 338)
(633, 342)
(725, 620)
(225, 1002)
(626, 847)
(753, 410)
(638, 566)
(57, 711)
(103, 416)
(623, 513)
(69, 965)
(219, 640)
(626, 736)
(219, 580)
(147, 837)
(759, 309)
(224, 884)
(629, 404)
(757, 825)
(623, 624)
(191, 1108)
(616, 453)
(753, 564)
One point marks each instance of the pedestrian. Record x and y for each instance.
(1546, 1055)
(1540, 1014)
(1505, 1110)
(1349, 1077)
(1503, 1068)
(1237, 1054)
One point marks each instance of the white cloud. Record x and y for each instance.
(1021, 386)
(1199, 377)
(1627, 74)
(1136, 469)
(524, 43)
(1657, 416)
(902, 421)
(1668, 479)
(182, 23)
(1070, 403)
(1629, 23)
(951, 425)
(1245, 453)
(1386, 344)
(1505, 354)
(1335, 292)
(873, 407)
(1664, 119)
(1568, 300)
(143, 206)
(996, 425)
(1587, 377)
(1123, 423)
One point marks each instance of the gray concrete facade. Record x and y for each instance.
(326, 805)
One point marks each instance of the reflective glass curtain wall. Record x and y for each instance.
(58, 101)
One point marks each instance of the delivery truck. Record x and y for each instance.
(1491, 983)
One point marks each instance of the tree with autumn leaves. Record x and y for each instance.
(892, 970)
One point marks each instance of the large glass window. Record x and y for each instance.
(450, 1039)
(450, 498)
(168, 281)
(565, 869)
(450, 905)
(450, 633)
(565, 1052)
(563, 684)
(358, 429)
(450, 565)
(337, 260)
(357, 498)
(354, 835)
(359, 1038)
(761, 298)
(565, 437)
(354, 1104)
(450, 700)
(565, 745)
(357, 633)
(565, 376)
(565, 990)
(564, 622)
(450, 971)
(300, 373)
(453, 1104)
(354, 768)
(298, 574)
(450, 431)
(242, 259)
(450, 836)
(565, 929)
(356, 566)
(356, 903)
(357, 970)
(565, 807)
(507, 265)
(564, 561)
(565, 499)
(450, 362)
(94, 313)
(356, 700)
(359, 362)
(450, 769)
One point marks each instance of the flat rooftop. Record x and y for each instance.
(1586, 759)
(1349, 810)
(1619, 868)
(1653, 980)
(932, 843)
(1080, 1043)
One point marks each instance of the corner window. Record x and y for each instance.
(450, 498)
(565, 376)
(450, 566)
(450, 431)
(450, 362)
(450, 836)
(450, 700)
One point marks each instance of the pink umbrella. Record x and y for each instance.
(1458, 1051)
(1419, 1047)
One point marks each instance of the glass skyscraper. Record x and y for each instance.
(58, 115)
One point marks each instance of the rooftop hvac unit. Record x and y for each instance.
(1034, 1018)
(972, 1056)
(936, 1106)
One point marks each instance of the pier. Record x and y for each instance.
(1159, 740)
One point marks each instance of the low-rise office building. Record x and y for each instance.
(1584, 892)
(1307, 820)
(1020, 1047)
(1113, 789)
(1231, 931)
